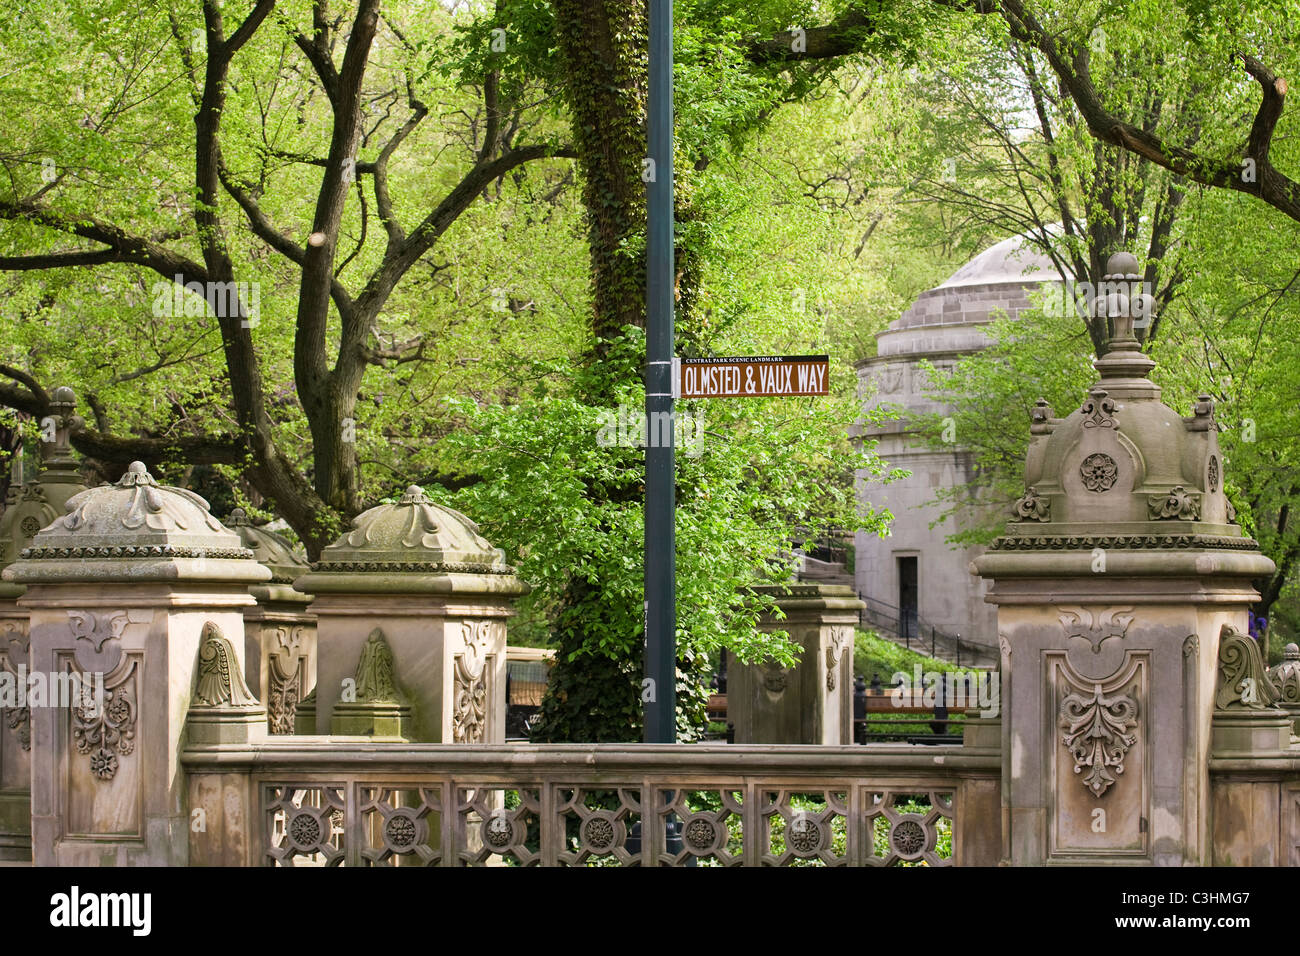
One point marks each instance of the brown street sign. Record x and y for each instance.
(751, 376)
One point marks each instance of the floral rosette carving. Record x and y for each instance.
(1099, 472)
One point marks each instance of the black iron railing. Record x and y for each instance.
(918, 634)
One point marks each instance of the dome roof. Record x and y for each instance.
(270, 549)
(951, 317)
(1012, 260)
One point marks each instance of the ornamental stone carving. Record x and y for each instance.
(151, 508)
(286, 664)
(838, 637)
(19, 720)
(1095, 729)
(1213, 473)
(104, 733)
(283, 696)
(774, 678)
(890, 379)
(469, 719)
(220, 681)
(1179, 503)
(469, 707)
(701, 834)
(14, 646)
(806, 836)
(499, 832)
(1285, 677)
(414, 534)
(376, 676)
(96, 629)
(1099, 410)
(1243, 681)
(1095, 627)
(598, 834)
(400, 830)
(1032, 507)
(908, 837)
(1099, 472)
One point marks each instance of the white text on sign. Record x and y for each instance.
(745, 377)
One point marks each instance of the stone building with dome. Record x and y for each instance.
(914, 582)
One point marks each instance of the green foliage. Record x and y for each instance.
(567, 499)
(874, 655)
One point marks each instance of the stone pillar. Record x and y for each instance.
(411, 608)
(121, 591)
(1253, 810)
(31, 506)
(279, 631)
(1119, 569)
(811, 703)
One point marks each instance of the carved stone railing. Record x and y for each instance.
(344, 801)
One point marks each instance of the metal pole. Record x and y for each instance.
(660, 542)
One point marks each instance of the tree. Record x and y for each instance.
(353, 118)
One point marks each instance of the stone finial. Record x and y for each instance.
(1032, 507)
(57, 458)
(1243, 681)
(379, 708)
(138, 511)
(1285, 677)
(376, 672)
(220, 682)
(1122, 265)
(1120, 299)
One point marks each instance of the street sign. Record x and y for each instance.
(751, 376)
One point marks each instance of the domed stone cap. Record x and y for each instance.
(269, 549)
(413, 534)
(1123, 471)
(137, 513)
(412, 546)
(136, 530)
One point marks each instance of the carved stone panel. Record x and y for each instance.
(470, 701)
(103, 754)
(1099, 773)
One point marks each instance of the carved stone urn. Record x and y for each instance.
(411, 608)
(121, 591)
(1115, 577)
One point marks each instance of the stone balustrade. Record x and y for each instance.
(340, 801)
